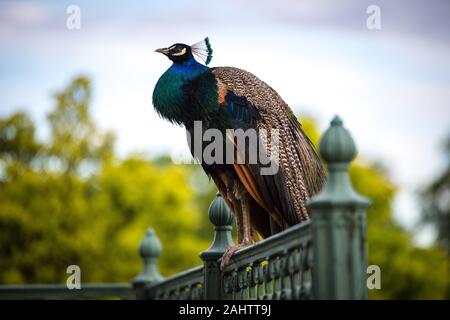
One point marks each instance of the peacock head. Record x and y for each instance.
(180, 52)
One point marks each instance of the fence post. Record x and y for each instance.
(221, 217)
(149, 250)
(339, 223)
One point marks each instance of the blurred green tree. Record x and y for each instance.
(76, 143)
(71, 201)
(436, 204)
(17, 140)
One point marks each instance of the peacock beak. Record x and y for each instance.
(164, 51)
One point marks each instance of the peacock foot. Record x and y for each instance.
(230, 252)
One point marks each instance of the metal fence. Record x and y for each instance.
(323, 258)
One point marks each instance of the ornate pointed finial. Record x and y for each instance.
(222, 219)
(149, 250)
(338, 149)
(219, 213)
(337, 145)
(150, 246)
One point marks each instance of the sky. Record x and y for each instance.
(390, 86)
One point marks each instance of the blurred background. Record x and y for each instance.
(86, 165)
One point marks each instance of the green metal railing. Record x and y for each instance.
(323, 258)
(275, 268)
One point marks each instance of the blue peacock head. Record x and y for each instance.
(180, 52)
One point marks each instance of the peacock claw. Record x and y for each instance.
(230, 252)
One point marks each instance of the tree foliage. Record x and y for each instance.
(76, 143)
(17, 139)
(436, 204)
(71, 201)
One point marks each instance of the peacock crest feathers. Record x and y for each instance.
(203, 50)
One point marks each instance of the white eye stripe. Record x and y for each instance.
(172, 47)
(183, 51)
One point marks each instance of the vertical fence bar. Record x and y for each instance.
(339, 223)
(149, 250)
(221, 217)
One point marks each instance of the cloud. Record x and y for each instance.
(21, 13)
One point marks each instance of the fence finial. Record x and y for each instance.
(222, 218)
(338, 149)
(149, 250)
(337, 145)
(339, 223)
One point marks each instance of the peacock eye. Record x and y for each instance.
(180, 53)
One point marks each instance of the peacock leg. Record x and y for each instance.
(255, 236)
(243, 226)
(239, 222)
(246, 224)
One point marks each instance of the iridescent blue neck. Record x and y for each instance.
(188, 69)
(169, 98)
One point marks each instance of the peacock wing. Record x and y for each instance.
(248, 102)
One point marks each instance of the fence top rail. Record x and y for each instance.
(60, 291)
(281, 242)
(187, 277)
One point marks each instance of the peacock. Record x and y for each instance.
(228, 99)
